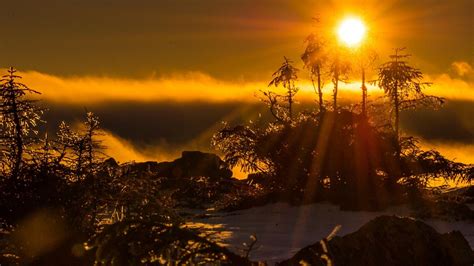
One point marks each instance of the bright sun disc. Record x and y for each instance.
(351, 31)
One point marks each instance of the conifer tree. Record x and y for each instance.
(338, 69)
(403, 85)
(365, 60)
(286, 75)
(19, 120)
(314, 59)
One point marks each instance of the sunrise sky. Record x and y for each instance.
(188, 65)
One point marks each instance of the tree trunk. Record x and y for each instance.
(320, 91)
(90, 149)
(80, 153)
(18, 139)
(336, 85)
(364, 94)
(397, 119)
(290, 103)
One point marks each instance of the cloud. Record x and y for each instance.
(198, 86)
(181, 87)
(454, 151)
(122, 150)
(462, 68)
(444, 85)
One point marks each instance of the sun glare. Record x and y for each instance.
(351, 31)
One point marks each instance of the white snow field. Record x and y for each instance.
(282, 229)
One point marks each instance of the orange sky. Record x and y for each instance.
(231, 40)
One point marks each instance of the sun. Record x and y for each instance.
(351, 31)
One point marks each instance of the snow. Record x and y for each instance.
(282, 229)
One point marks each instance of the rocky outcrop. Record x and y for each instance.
(443, 210)
(191, 164)
(389, 240)
(195, 164)
(196, 180)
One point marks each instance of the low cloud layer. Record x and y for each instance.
(201, 87)
(454, 151)
(91, 90)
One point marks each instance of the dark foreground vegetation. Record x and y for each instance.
(354, 156)
(64, 202)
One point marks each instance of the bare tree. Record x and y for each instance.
(404, 85)
(20, 117)
(286, 75)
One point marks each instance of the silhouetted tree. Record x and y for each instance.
(81, 150)
(403, 84)
(153, 239)
(365, 59)
(93, 146)
(19, 117)
(338, 69)
(66, 144)
(314, 59)
(43, 156)
(274, 102)
(286, 75)
(239, 145)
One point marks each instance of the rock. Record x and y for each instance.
(469, 194)
(390, 240)
(195, 164)
(444, 210)
(110, 162)
(150, 167)
(191, 164)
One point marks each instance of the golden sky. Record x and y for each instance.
(225, 39)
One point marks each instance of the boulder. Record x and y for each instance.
(443, 209)
(191, 164)
(469, 194)
(110, 162)
(389, 240)
(142, 167)
(195, 164)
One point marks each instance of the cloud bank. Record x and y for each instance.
(195, 86)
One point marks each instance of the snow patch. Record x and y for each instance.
(282, 229)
